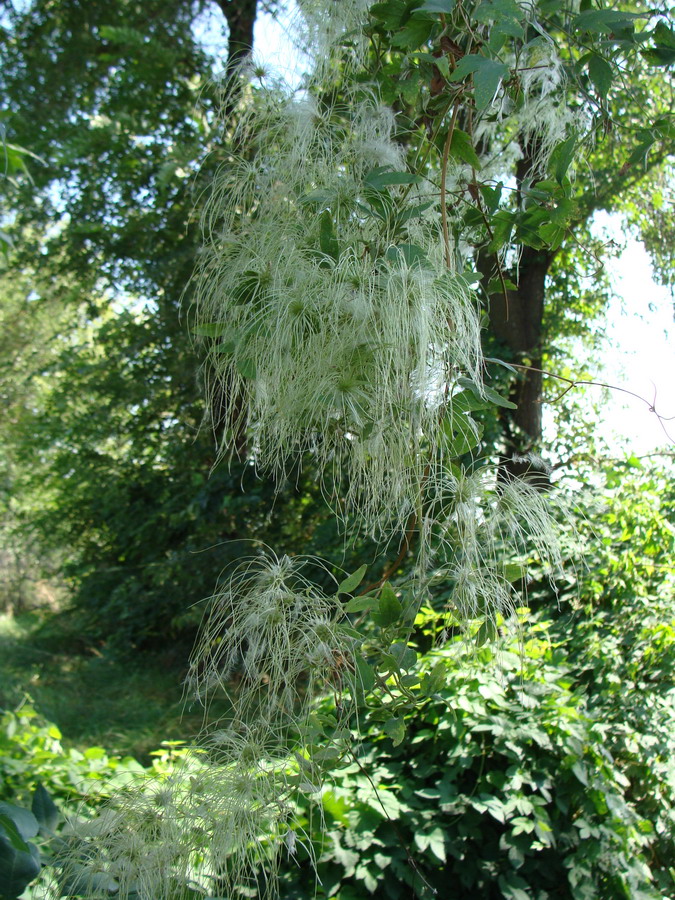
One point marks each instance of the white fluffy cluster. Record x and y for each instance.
(333, 336)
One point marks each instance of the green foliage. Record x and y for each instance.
(31, 754)
(504, 787)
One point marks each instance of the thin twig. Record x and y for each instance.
(577, 382)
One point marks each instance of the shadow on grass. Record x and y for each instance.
(127, 706)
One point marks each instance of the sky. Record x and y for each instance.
(639, 350)
(638, 353)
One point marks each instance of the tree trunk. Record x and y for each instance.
(240, 16)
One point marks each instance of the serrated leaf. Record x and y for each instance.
(462, 148)
(600, 73)
(351, 582)
(395, 729)
(44, 809)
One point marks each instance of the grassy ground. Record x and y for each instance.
(125, 706)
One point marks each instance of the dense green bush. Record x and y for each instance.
(503, 787)
(542, 766)
(31, 753)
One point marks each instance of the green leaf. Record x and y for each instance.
(327, 238)
(410, 254)
(395, 729)
(405, 656)
(436, 679)
(390, 13)
(44, 809)
(562, 156)
(462, 148)
(360, 604)
(389, 607)
(17, 868)
(491, 196)
(514, 572)
(211, 329)
(438, 6)
(486, 81)
(23, 819)
(246, 368)
(659, 56)
(493, 397)
(351, 582)
(364, 673)
(601, 74)
(664, 36)
(487, 633)
(10, 832)
(319, 198)
(415, 33)
(604, 21)
(462, 434)
(380, 178)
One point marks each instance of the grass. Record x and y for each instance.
(127, 706)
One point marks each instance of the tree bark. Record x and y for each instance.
(240, 16)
